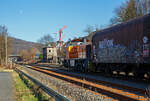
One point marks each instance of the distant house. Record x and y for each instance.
(49, 54)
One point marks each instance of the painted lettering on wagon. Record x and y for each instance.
(106, 43)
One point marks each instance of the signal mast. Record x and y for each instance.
(59, 43)
(61, 35)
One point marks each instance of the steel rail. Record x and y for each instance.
(134, 89)
(114, 93)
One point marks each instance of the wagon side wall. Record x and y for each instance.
(120, 44)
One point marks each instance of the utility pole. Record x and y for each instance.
(56, 52)
(56, 45)
(6, 48)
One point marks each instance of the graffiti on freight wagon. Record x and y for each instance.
(106, 43)
(115, 53)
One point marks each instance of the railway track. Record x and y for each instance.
(138, 90)
(120, 76)
(111, 89)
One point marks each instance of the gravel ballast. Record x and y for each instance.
(71, 91)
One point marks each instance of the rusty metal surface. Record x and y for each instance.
(76, 52)
(122, 43)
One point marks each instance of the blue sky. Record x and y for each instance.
(31, 19)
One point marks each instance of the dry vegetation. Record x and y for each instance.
(25, 90)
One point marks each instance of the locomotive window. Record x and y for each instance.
(146, 47)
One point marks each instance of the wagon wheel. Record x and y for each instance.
(148, 75)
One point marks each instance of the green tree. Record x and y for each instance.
(41, 57)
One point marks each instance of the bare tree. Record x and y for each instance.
(29, 54)
(25, 54)
(32, 52)
(129, 10)
(89, 29)
(46, 39)
(97, 28)
(3, 35)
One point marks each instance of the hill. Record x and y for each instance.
(18, 45)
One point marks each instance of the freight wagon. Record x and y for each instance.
(124, 47)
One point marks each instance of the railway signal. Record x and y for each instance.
(61, 32)
(58, 43)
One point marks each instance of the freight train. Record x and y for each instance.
(122, 48)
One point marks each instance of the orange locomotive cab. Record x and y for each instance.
(78, 55)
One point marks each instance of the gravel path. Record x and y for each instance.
(6, 87)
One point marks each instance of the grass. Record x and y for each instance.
(22, 92)
(4, 69)
(25, 90)
(1, 68)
